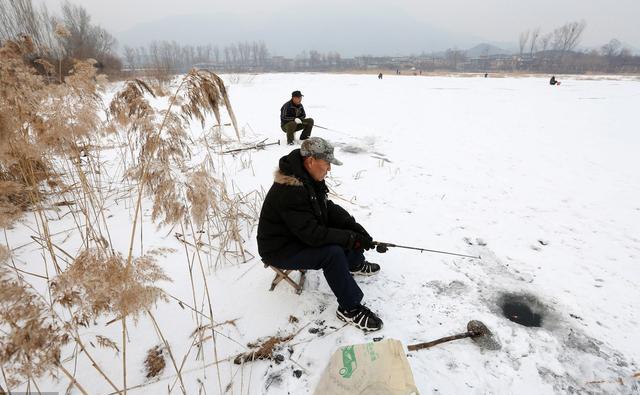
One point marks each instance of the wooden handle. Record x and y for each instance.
(420, 346)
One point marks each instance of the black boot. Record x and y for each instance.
(360, 317)
(367, 269)
(306, 132)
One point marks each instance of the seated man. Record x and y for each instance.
(293, 118)
(300, 228)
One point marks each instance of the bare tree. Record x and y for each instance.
(85, 40)
(58, 40)
(612, 48)
(142, 54)
(534, 38)
(263, 54)
(130, 56)
(227, 56)
(234, 54)
(545, 40)
(254, 53)
(612, 51)
(524, 38)
(567, 36)
(20, 17)
(314, 59)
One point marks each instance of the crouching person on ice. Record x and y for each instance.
(301, 229)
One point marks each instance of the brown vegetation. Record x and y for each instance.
(59, 40)
(154, 363)
(262, 349)
(30, 341)
(50, 163)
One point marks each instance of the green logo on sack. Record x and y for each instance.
(349, 362)
(372, 352)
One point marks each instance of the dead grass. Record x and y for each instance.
(51, 168)
(154, 363)
(262, 349)
(30, 341)
(105, 342)
(96, 284)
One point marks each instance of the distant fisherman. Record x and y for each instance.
(293, 118)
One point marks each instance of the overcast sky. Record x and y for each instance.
(490, 20)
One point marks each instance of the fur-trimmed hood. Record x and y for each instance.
(290, 170)
(280, 178)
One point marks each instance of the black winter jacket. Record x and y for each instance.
(296, 214)
(290, 111)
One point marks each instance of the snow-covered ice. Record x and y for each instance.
(541, 181)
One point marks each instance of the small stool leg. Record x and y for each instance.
(303, 274)
(282, 274)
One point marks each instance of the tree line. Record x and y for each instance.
(70, 34)
(171, 56)
(557, 51)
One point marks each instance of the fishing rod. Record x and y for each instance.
(382, 247)
(260, 145)
(331, 130)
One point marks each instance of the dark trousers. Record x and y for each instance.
(335, 263)
(291, 127)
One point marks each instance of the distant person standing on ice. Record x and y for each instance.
(380, 76)
(553, 81)
(301, 229)
(293, 118)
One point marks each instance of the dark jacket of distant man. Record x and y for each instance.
(290, 111)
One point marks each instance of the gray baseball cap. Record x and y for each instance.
(319, 149)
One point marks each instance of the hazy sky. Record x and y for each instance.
(490, 20)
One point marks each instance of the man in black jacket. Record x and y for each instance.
(300, 228)
(293, 118)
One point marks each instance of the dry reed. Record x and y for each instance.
(30, 341)
(50, 166)
(96, 284)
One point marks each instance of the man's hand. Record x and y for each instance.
(358, 242)
(298, 121)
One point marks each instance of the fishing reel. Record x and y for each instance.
(381, 247)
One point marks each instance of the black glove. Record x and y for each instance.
(358, 242)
